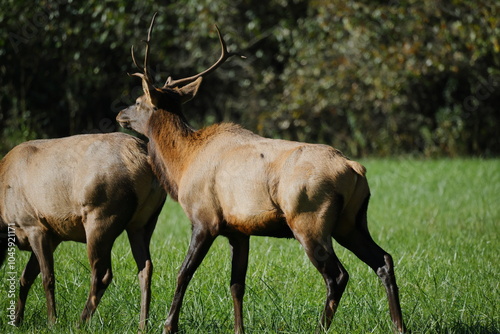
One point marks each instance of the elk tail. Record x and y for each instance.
(357, 167)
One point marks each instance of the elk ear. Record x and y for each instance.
(189, 91)
(151, 92)
(147, 87)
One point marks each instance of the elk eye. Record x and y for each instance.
(137, 103)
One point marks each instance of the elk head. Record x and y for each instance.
(171, 96)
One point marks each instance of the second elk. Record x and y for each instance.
(85, 188)
(234, 183)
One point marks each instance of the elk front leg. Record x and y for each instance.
(240, 248)
(28, 276)
(201, 240)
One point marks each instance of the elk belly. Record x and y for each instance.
(270, 224)
(246, 204)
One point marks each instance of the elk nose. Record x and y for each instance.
(123, 120)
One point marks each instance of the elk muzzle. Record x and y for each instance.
(123, 119)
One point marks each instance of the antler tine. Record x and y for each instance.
(145, 73)
(133, 58)
(225, 54)
(146, 55)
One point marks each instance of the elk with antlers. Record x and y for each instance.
(234, 183)
(85, 188)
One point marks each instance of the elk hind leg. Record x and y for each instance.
(359, 241)
(99, 244)
(139, 243)
(42, 261)
(320, 251)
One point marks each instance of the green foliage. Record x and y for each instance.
(409, 76)
(438, 219)
(369, 77)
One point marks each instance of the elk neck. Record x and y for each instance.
(171, 146)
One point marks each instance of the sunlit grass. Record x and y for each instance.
(439, 219)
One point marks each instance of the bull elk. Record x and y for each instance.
(234, 183)
(85, 188)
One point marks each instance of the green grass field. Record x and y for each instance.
(439, 219)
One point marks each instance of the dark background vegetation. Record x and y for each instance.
(380, 78)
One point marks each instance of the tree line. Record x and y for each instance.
(372, 78)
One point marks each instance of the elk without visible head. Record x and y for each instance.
(234, 183)
(86, 188)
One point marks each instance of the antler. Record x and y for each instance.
(145, 73)
(223, 57)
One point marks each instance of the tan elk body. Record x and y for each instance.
(234, 183)
(85, 188)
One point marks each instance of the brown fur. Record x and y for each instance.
(86, 188)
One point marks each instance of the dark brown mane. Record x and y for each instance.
(161, 171)
(171, 139)
(162, 146)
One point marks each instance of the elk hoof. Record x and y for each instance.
(169, 329)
